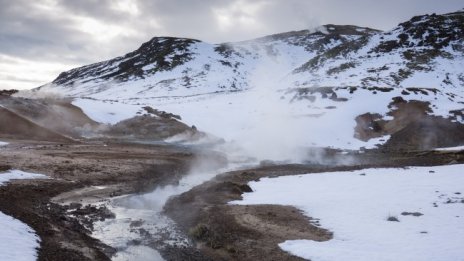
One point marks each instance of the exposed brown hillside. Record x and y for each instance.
(13, 126)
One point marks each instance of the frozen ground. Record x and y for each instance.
(427, 201)
(17, 240)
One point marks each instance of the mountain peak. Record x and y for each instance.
(424, 47)
(160, 53)
(434, 30)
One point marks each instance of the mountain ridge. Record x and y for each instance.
(322, 80)
(166, 53)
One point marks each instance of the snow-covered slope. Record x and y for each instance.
(426, 51)
(167, 66)
(332, 55)
(304, 88)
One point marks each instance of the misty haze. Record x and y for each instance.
(232, 130)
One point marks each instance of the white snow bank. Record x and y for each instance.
(18, 174)
(450, 148)
(2, 143)
(17, 240)
(355, 206)
(109, 112)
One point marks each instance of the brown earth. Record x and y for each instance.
(13, 126)
(404, 112)
(412, 128)
(428, 133)
(148, 127)
(155, 125)
(57, 115)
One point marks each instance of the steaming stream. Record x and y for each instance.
(139, 227)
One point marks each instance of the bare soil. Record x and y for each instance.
(14, 126)
(411, 127)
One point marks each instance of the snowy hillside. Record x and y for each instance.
(332, 55)
(181, 67)
(426, 51)
(310, 87)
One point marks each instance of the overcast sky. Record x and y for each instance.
(41, 38)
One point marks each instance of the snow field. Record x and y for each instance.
(355, 207)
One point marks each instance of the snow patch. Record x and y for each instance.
(18, 174)
(105, 111)
(450, 148)
(18, 241)
(355, 206)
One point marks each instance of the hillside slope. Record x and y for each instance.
(301, 88)
(13, 126)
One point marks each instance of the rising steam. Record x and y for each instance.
(271, 131)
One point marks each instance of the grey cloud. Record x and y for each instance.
(27, 33)
(17, 79)
(92, 8)
(30, 32)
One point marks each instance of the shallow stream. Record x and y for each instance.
(140, 228)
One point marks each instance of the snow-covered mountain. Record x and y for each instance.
(316, 85)
(425, 51)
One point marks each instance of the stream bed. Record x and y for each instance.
(140, 228)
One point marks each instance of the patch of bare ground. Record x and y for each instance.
(15, 126)
(56, 115)
(411, 127)
(232, 232)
